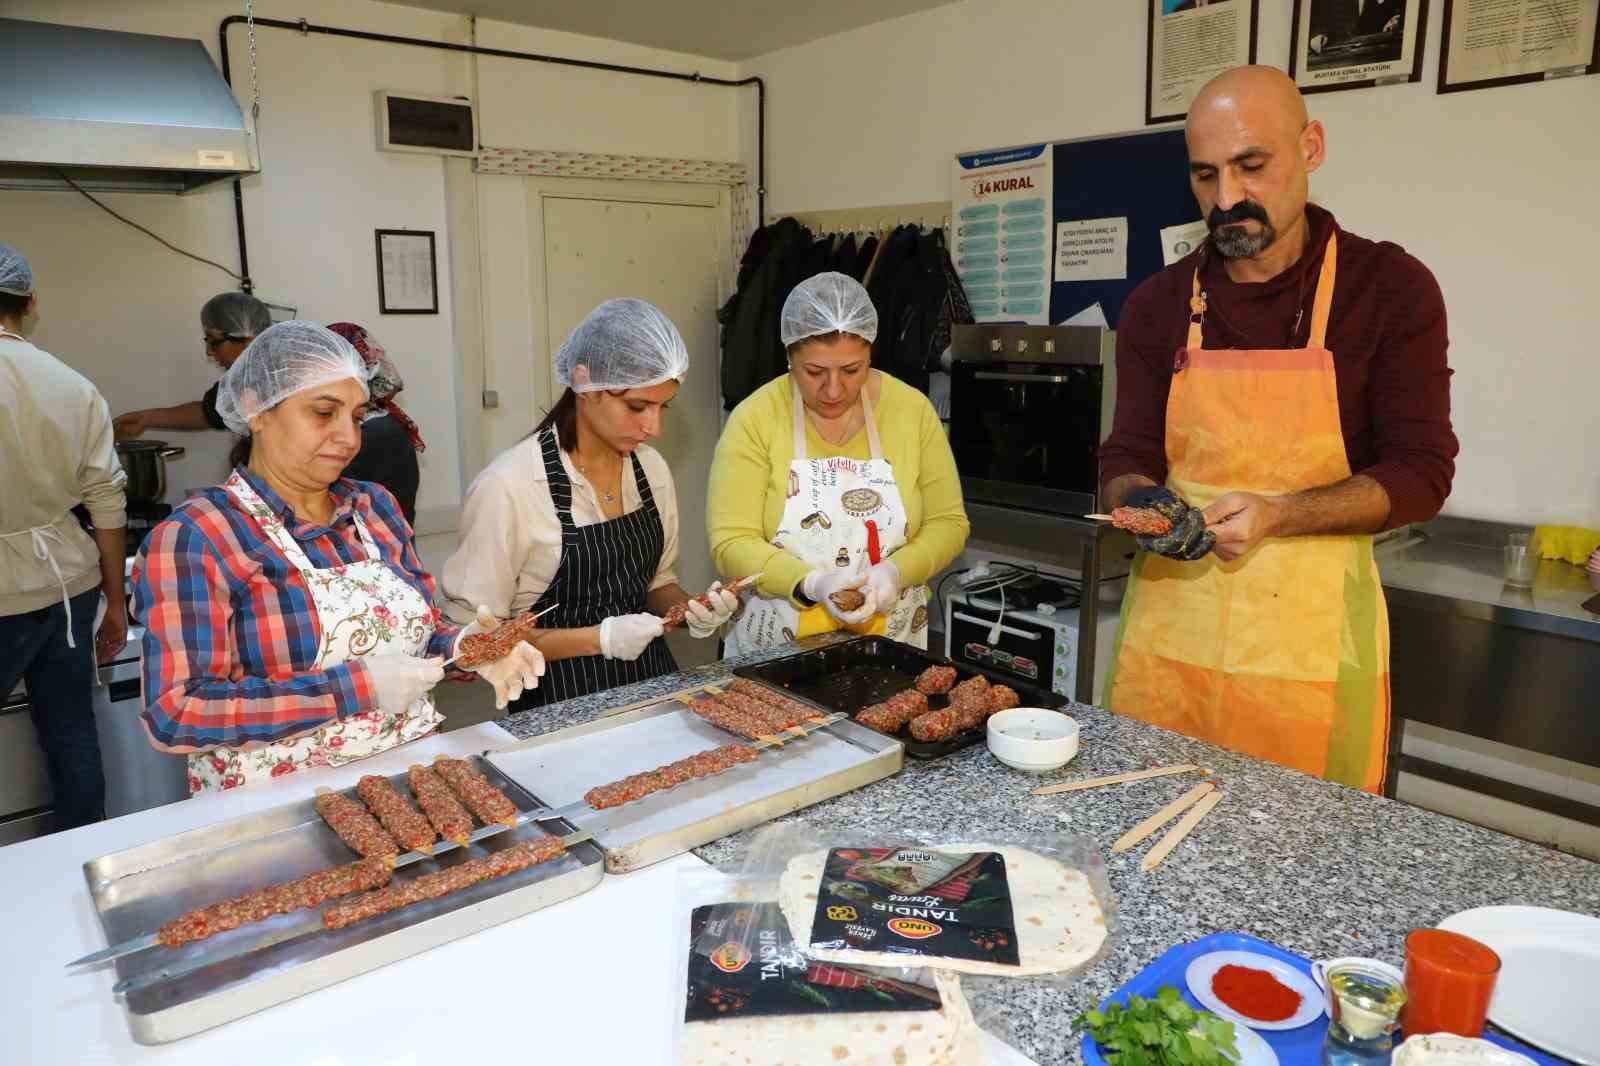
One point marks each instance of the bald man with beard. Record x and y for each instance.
(1282, 395)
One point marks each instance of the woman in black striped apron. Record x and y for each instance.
(581, 516)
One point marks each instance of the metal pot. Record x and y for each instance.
(146, 464)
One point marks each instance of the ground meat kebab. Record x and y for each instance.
(637, 786)
(312, 890)
(442, 882)
(355, 825)
(473, 789)
(403, 821)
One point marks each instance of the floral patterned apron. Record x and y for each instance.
(362, 608)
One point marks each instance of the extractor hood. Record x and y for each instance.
(127, 112)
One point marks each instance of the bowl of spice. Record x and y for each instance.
(1256, 990)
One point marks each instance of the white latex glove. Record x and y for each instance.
(626, 636)
(401, 680)
(704, 621)
(883, 586)
(820, 585)
(513, 675)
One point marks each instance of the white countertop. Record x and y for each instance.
(593, 971)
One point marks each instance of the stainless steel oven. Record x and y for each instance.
(1029, 406)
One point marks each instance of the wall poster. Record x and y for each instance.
(1354, 44)
(1507, 42)
(1002, 230)
(1190, 42)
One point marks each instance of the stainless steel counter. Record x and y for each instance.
(1473, 655)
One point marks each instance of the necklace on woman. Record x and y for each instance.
(610, 497)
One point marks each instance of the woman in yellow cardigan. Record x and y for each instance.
(830, 478)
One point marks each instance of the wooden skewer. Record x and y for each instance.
(771, 738)
(1100, 517)
(794, 729)
(1176, 834)
(1160, 818)
(1115, 779)
(451, 661)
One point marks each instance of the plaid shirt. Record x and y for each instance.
(231, 633)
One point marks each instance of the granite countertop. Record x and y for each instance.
(1317, 868)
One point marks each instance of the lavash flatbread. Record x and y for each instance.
(945, 1037)
(1059, 922)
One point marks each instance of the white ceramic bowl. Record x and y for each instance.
(1033, 739)
(1442, 1049)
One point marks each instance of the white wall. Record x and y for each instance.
(124, 310)
(1492, 189)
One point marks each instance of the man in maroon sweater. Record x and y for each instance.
(1302, 399)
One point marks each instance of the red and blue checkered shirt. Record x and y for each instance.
(231, 633)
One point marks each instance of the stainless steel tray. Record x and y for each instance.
(563, 765)
(135, 891)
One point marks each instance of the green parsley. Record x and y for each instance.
(1164, 1031)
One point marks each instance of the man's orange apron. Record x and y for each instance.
(1284, 653)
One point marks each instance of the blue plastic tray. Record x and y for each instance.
(1295, 1047)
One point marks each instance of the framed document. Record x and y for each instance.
(1354, 44)
(408, 276)
(1190, 42)
(1507, 42)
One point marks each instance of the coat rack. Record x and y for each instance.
(864, 220)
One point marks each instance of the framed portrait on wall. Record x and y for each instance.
(1508, 42)
(1188, 43)
(408, 274)
(1355, 44)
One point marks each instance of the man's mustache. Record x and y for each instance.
(1239, 212)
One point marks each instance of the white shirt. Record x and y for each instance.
(56, 451)
(509, 543)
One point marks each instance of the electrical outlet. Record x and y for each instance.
(491, 399)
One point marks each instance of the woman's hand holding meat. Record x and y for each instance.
(518, 671)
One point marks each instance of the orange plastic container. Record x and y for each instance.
(1449, 979)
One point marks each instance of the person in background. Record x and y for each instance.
(390, 440)
(228, 323)
(833, 476)
(56, 453)
(288, 621)
(1307, 408)
(581, 517)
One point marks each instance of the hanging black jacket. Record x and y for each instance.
(752, 350)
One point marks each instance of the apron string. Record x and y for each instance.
(1323, 302)
(1197, 312)
(799, 421)
(874, 445)
(41, 536)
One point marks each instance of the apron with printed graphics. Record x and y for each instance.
(363, 608)
(825, 523)
(1284, 653)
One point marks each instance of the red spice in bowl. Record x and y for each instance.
(1255, 993)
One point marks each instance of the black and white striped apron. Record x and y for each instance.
(605, 570)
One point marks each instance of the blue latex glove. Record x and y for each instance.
(1189, 538)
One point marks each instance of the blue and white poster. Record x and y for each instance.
(1003, 227)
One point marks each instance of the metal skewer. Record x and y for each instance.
(450, 661)
(303, 927)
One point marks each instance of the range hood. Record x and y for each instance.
(116, 112)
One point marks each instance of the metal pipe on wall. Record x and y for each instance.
(303, 27)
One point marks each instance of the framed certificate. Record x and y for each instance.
(1508, 42)
(408, 275)
(1190, 42)
(1356, 44)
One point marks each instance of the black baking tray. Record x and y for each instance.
(851, 676)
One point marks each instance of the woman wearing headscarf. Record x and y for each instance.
(581, 517)
(390, 440)
(288, 621)
(833, 477)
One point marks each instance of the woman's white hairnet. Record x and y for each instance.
(16, 276)
(622, 344)
(828, 303)
(238, 314)
(284, 359)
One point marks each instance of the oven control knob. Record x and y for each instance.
(1047, 608)
(995, 345)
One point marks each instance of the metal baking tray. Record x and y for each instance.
(853, 675)
(135, 891)
(563, 765)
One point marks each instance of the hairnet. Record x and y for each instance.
(238, 314)
(828, 303)
(622, 344)
(16, 276)
(284, 359)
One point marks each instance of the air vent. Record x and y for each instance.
(435, 125)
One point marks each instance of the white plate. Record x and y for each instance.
(1549, 971)
(1200, 972)
(1442, 1049)
(1253, 1049)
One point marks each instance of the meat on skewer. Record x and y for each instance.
(936, 725)
(726, 716)
(312, 890)
(1003, 698)
(403, 821)
(637, 786)
(473, 789)
(479, 648)
(894, 712)
(973, 691)
(776, 699)
(1141, 521)
(442, 882)
(673, 618)
(355, 826)
(449, 818)
(936, 680)
(776, 718)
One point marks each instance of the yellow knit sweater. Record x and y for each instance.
(749, 478)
